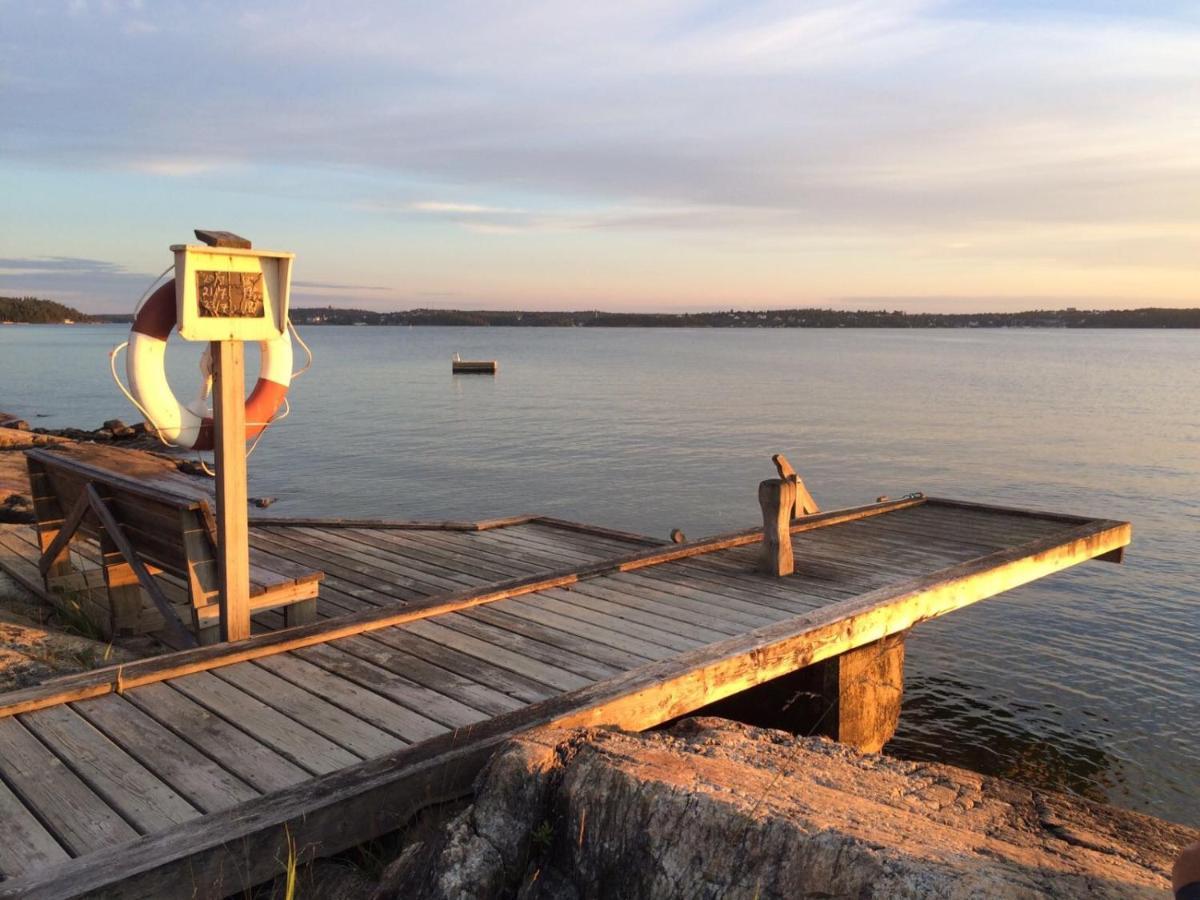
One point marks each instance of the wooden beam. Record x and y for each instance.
(49, 516)
(113, 529)
(123, 588)
(249, 842)
(862, 690)
(216, 238)
(102, 681)
(233, 529)
(415, 525)
(66, 531)
(777, 497)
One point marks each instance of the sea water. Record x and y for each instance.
(1086, 681)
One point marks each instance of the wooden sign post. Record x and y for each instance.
(233, 526)
(227, 293)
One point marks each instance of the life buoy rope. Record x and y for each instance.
(190, 426)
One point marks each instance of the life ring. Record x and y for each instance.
(190, 426)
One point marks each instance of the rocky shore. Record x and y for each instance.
(713, 808)
(16, 435)
(38, 642)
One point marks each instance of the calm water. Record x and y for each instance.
(1087, 681)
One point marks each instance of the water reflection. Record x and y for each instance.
(945, 720)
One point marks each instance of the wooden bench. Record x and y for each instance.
(148, 522)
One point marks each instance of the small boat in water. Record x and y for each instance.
(458, 365)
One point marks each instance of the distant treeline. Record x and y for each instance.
(31, 310)
(776, 318)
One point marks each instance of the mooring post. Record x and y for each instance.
(233, 526)
(777, 497)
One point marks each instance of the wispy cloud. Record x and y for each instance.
(92, 284)
(903, 129)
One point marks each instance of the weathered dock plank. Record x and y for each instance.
(339, 729)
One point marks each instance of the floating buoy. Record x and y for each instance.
(472, 367)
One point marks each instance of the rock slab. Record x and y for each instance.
(714, 809)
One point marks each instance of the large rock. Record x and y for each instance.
(717, 809)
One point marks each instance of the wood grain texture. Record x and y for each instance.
(378, 794)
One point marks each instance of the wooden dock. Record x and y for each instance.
(199, 771)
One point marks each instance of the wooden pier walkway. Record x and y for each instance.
(197, 772)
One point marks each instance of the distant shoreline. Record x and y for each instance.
(29, 310)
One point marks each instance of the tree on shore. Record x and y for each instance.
(33, 310)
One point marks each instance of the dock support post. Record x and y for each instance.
(777, 497)
(853, 698)
(233, 526)
(862, 691)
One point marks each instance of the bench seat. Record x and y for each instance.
(157, 539)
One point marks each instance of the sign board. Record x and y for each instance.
(231, 294)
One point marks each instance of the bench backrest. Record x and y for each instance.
(169, 523)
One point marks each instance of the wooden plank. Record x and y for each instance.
(616, 618)
(548, 616)
(27, 846)
(431, 579)
(365, 663)
(250, 760)
(543, 650)
(343, 567)
(117, 536)
(69, 526)
(22, 567)
(537, 672)
(692, 597)
(142, 798)
(541, 632)
(411, 548)
(436, 665)
(366, 704)
(203, 782)
(639, 607)
(339, 726)
(594, 542)
(101, 681)
(480, 555)
(449, 683)
(382, 793)
(399, 524)
(626, 537)
(1065, 519)
(443, 552)
(74, 814)
(289, 738)
(548, 552)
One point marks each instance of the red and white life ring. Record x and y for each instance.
(190, 426)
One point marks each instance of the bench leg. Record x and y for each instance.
(302, 612)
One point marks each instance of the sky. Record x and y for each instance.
(651, 156)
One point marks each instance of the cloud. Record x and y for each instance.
(439, 206)
(90, 284)
(332, 286)
(966, 126)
